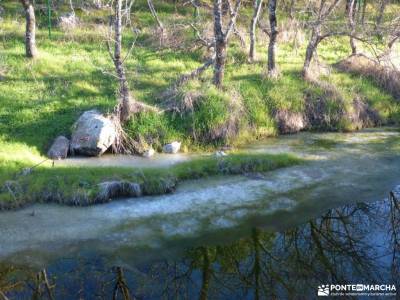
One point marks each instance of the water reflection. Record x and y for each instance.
(351, 244)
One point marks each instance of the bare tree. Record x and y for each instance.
(221, 39)
(272, 70)
(364, 8)
(322, 13)
(257, 5)
(124, 108)
(291, 9)
(121, 286)
(393, 35)
(155, 16)
(352, 25)
(127, 105)
(30, 33)
(382, 7)
(206, 272)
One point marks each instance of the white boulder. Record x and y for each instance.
(92, 134)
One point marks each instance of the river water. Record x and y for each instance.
(273, 235)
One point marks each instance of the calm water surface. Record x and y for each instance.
(277, 235)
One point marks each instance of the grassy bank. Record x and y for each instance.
(41, 99)
(85, 186)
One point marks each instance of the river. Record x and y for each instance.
(278, 234)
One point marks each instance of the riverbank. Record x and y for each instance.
(42, 98)
(82, 186)
(88, 181)
(343, 169)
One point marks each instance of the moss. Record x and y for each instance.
(324, 143)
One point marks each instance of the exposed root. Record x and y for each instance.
(329, 111)
(123, 143)
(326, 111)
(362, 116)
(114, 189)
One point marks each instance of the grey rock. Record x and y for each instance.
(172, 148)
(59, 148)
(92, 134)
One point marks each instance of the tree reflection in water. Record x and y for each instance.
(352, 244)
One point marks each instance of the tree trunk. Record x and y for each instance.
(379, 18)
(257, 4)
(312, 45)
(125, 105)
(351, 14)
(364, 8)
(291, 10)
(220, 45)
(257, 263)
(159, 23)
(206, 269)
(30, 33)
(272, 70)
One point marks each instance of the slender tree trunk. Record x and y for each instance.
(159, 23)
(257, 4)
(364, 8)
(125, 105)
(312, 45)
(348, 3)
(382, 7)
(30, 33)
(257, 263)
(272, 70)
(352, 25)
(206, 275)
(291, 10)
(220, 45)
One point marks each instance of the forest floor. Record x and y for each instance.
(42, 98)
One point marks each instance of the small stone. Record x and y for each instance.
(149, 153)
(59, 149)
(172, 148)
(220, 154)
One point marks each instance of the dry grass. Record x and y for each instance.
(386, 77)
(290, 122)
(362, 116)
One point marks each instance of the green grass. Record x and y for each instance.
(41, 99)
(71, 185)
